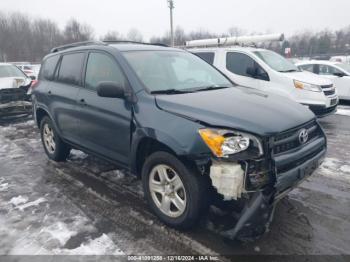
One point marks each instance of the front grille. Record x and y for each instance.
(327, 86)
(300, 161)
(329, 93)
(328, 90)
(289, 140)
(12, 94)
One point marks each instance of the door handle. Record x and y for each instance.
(82, 102)
(49, 92)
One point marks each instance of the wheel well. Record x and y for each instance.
(39, 115)
(148, 146)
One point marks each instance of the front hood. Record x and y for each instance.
(13, 82)
(308, 77)
(239, 108)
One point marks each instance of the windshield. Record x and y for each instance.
(276, 61)
(345, 67)
(174, 70)
(10, 71)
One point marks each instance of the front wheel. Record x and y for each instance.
(175, 192)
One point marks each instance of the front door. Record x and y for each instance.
(104, 123)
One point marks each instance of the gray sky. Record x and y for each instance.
(151, 17)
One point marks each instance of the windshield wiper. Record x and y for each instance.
(170, 91)
(288, 71)
(207, 88)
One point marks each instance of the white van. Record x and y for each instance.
(268, 71)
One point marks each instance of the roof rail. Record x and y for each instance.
(131, 42)
(63, 47)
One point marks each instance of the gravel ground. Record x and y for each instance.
(86, 207)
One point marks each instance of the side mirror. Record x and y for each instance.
(251, 71)
(111, 90)
(257, 74)
(339, 74)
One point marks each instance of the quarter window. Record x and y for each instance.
(309, 68)
(206, 56)
(101, 68)
(48, 68)
(70, 69)
(238, 63)
(328, 70)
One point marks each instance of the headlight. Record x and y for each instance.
(306, 86)
(227, 142)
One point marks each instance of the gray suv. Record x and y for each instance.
(193, 136)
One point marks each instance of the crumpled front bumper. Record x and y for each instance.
(15, 108)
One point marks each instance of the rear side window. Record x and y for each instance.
(48, 67)
(206, 56)
(70, 69)
(101, 68)
(238, 63)
(328, 70)
(309, 68)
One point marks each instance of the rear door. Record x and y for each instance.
(63, 92)
(104, 123)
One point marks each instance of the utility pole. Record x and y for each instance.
(171, 7)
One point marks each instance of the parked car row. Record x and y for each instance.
(268, 71)
(192, 135)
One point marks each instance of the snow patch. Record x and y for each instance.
(343, 112)
(331, 163)
(76, 154)
(345, 169)
(334, 169)
(32, 203)
(113, 175)
(3, 186)
(18, 200)
(59, 231)
(98, 246)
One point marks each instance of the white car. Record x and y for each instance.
(339, 73)
(340, 59)
(14, 85)
(268, 71)
(29, 70)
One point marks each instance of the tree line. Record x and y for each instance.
(23, 38)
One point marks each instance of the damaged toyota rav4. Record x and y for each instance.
(180, 125)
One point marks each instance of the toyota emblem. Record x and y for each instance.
(303, 136)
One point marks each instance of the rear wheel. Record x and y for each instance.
(54, 147)
(175, 192)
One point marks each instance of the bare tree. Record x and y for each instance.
(235, 31)
(76, 32)
(134, 35)
(113, 36)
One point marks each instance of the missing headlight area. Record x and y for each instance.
(228, 179)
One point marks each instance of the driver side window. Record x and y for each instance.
(100, 68)
(241, 64)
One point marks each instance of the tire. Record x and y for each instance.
(57, 150)
(194, 192)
